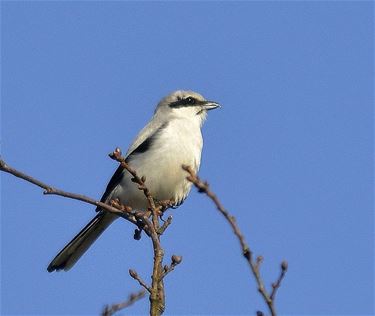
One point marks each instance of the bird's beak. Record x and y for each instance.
(210, 105)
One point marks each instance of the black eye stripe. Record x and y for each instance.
(188, 101)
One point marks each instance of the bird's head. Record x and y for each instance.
(186, 105)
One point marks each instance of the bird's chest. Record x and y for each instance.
(179, 145)
(162, 165)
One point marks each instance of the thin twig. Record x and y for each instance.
(135, 276)
(111, 309)
(165, 225)
(175, 261)
(203, 187)
(276, 285)
(116, 155)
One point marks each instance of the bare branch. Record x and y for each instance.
(165, 225)
(122, 211)
(111, 309)
(157, 295)
(203, 187)
(116, 155)
(276, 285)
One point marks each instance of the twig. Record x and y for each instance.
(165, 225)
(111, 309)
(135, 276)
(175, 261)
(116, 155)
(276, 285)
(203, 187)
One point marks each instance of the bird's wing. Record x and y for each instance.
(146, 143)
(141, 144)
(151, 128)
(116, 178)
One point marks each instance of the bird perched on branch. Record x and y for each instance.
(171, 139)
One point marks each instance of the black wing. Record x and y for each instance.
(147, 143)
(116, 178)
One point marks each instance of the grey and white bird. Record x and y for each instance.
(172, 138)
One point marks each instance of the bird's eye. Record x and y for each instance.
(190, 100)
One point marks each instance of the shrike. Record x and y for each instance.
(172, 138)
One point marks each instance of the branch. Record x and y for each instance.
(122, 211)
(157, 294)
(157, 297)
(111, 309)
(203, 187)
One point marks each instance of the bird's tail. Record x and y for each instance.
(70, 254)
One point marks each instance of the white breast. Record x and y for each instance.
(180, 142)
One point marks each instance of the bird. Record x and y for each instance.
(171, 138)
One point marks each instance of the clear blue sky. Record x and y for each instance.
(290, 153)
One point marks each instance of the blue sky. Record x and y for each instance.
(290, 153)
